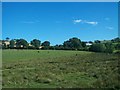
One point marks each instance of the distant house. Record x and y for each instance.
(41, 47)
(30, 44)
(7, 42)
(88, 44)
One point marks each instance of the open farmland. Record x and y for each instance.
(58, 69)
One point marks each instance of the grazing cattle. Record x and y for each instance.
(38, 51)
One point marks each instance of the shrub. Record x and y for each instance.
(117, 52)
(109, 48)
(117, 46)
(97, 47)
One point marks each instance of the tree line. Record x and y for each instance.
(74, 43)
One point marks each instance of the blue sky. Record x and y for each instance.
(60, 21)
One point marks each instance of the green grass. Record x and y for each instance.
(57, 69)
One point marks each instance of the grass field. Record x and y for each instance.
(59, 69)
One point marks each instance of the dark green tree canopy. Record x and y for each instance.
(97, 41)
(116, 39)
(83, 44)
(21, 42)
(36, 43)
(73, 43)
(97, 47)
(46, 43)
(12, 43)
(117, 46)
(7, 38)
(90, 42)
(109, 47)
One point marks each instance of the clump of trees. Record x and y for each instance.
(72, 44)
(21, 43)
(99, 47)
(106, 46)
(35, 44)
(46, 45)
(109, 47)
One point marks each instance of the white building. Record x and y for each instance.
(88, 44)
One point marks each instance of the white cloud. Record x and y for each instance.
(85, 21)
(110, 28)
(77, 21)
(92, 23)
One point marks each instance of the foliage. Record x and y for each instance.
(109, 48)
(83, 44)
(97, 41)
(117, 46)
(36, 43)
(12, 44)
(21, 44)
(46, 45)
(72, 43)
(116, 40)
(7, 38)
(97, 47)
(90, 42)
(4, 46)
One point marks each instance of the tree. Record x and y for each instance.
(59, 47)
(12, 43)
(4, 46)
(109, 47)
(22, 43)
(116, 39)
(36, 43)
(90, 42)
(7, 38)
(83, 44)
(72, 43)
(75, 43)
(67, 45)
(117, 46)
(97, 47)
(46, 45)
(97, 41)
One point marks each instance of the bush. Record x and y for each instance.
(45, 48)
(109, 48)
(97, 47)
(117, 46)
(117, 52)
(31, 47)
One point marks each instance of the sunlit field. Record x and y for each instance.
(59, 69)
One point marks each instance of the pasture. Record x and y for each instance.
(59, 69)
